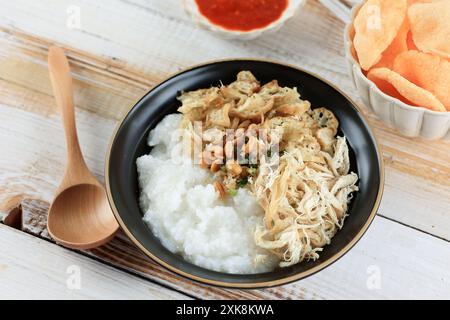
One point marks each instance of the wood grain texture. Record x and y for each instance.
(31, 268)
(390, 254)
(123, 48)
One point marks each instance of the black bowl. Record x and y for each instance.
(129, 143)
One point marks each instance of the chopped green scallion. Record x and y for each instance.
(242, 182)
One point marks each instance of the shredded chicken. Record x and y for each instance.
(267, 139)
(305, 202)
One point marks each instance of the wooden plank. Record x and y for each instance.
(390, 258)
(417, 172)
(398, 254)
(32, 268)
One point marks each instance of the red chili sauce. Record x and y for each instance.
(242, 15)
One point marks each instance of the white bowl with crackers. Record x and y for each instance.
(405, 84)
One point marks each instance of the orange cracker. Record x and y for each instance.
(376, 26)
(427, 71)
(398, 87)
(410, 42)
(430, 25)
(398, 45)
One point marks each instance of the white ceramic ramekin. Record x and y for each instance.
(192, 10)
(408, 120)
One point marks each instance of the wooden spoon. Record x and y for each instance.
(80, 216)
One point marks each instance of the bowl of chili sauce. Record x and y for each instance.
(240, 19)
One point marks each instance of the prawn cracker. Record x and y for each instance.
(398, 46)
(427, 71)
(430, 25)
(395, 85)
(376, 26)
(410, 42)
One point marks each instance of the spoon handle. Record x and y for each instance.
(62, 88)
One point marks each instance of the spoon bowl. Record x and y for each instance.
(81, 231)
(80, 216)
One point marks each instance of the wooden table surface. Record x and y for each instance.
(119, 49)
